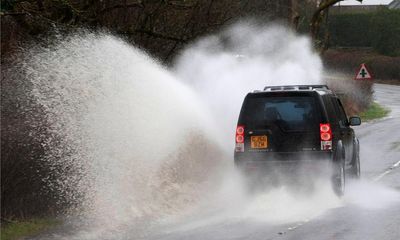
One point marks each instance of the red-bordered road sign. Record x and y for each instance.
(363, 73)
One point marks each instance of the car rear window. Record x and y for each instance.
(290, 113)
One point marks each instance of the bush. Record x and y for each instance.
(355, 95)
(385, 32)
(380, 30)
(7, 5)
(349, 60)
(349, 30)
(24, 177)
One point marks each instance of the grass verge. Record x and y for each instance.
(395, 146)
(374, 111)
(18, 229)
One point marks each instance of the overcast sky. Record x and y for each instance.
(365, 2)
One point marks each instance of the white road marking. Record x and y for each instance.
(391, 168)
(396, 164)
(294, 227)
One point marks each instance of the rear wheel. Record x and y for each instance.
(356, 167)
(355, 170)
(339, 176)
(339, 180)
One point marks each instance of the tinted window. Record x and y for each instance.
(333, 118)
(297, 113)
(341, 113)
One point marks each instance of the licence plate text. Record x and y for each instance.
(259, 141)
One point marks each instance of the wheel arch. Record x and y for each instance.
(340, 151)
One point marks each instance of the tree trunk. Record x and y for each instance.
(318, 14)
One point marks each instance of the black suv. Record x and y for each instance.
(285, 125)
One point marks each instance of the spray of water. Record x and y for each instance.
(224, 68)
(129, 141)
(136, 144)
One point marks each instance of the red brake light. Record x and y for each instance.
(240, 134)
(325, 131)
(326, 136)
(240, 130)
(325, 127)
(239, 139)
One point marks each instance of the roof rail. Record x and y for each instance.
(295, 87)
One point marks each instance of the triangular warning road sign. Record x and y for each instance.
(363, 73)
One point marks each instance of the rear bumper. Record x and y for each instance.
(283, 156)
(286, 162)
(289, 169)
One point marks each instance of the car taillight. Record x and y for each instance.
(326, 136)
(239, 138)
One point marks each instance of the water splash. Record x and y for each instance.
(247, 56)
(129, 141)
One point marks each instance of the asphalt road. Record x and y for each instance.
(370, 209)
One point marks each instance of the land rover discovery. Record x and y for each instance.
(293, 124)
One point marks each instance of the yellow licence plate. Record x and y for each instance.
(259, 141)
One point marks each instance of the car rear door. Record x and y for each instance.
(281, 122)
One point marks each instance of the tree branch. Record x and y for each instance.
(158, 35)
(133, 5)
(317, 16)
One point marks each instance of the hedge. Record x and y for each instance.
(379, 30)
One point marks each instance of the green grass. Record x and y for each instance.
(374, 111)
(18, 229)
(395, 146)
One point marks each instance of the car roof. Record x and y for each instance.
(320, 89)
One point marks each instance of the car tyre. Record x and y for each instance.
(356, 169)
(339, 175)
